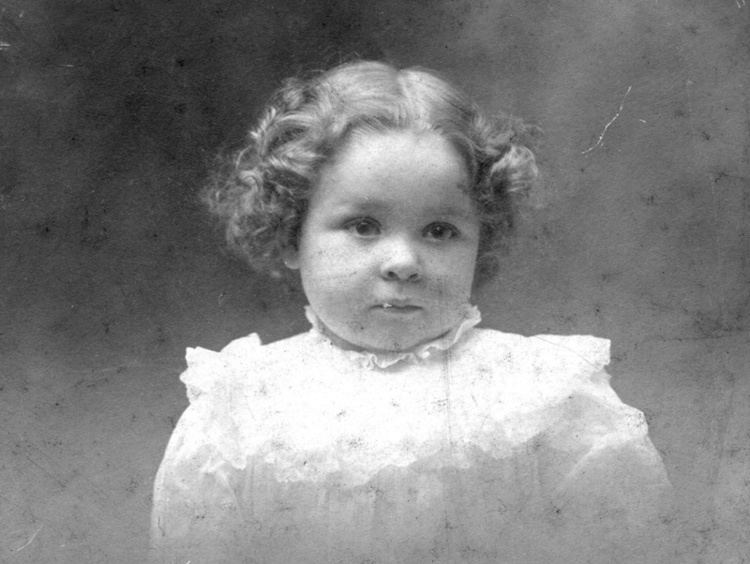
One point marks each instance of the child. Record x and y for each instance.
(394, 430)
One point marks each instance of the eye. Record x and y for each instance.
(363, 227)
(440, 231)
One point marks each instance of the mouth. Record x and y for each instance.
(397, 306)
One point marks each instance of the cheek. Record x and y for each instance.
(453, 286)
(328, 264)
(457, 271)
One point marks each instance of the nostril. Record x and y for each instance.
(401, 263)
(410, 277)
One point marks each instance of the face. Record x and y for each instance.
(388, 247)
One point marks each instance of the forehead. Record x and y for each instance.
(401, 168)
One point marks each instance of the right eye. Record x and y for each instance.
(363, 227)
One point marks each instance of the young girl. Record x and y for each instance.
(394, 430)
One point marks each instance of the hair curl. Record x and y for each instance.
(261, 195)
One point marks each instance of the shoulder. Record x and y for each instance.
(540, 350)
(231, 392)
(543, 382)
(539, 368)
(239, 364)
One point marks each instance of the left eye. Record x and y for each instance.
(440, 231)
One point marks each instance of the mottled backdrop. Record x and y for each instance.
(111, 112)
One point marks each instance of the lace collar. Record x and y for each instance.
(369, 359)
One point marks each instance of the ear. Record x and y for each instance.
(290, 257)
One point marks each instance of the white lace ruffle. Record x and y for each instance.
(368, 359)
(313, 410)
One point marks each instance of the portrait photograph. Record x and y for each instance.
(385, 282)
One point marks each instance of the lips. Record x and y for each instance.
(398, 306)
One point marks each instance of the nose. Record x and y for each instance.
(401, 262)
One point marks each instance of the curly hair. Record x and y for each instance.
(262, 193)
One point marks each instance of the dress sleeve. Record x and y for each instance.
(612, 486)
(196, 515)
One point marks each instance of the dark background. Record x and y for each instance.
(111, 113)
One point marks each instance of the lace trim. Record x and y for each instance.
(368, 359)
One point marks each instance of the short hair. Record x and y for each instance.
(262, 193)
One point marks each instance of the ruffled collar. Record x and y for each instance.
(368, 359)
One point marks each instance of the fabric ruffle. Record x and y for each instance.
(519, 441)
(369, 359)
(205, 367)
(312, 410)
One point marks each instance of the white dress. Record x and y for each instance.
(479, 447)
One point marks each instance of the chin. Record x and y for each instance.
(398, 347)
(395, 344)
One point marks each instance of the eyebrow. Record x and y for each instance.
(377, 205)
(449, 210)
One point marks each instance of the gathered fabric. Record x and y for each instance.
(368, 359)
(302, 451)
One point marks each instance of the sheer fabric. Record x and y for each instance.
(479, 447)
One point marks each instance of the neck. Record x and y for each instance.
(348, 346)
